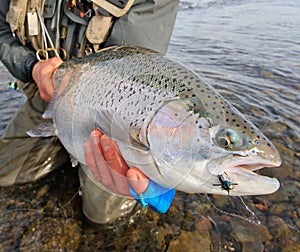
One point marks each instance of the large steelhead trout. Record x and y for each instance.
(166, 121)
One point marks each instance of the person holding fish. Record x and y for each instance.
(35, 38)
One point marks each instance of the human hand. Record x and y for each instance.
(42, 73)
(109, 168)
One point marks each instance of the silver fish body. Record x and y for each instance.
(165, 119)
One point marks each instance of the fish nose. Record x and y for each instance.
(275, 155)
(269, 152)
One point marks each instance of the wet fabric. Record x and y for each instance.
(99, 205)
(24, 159)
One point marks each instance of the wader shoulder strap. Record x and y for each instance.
(115, 7)
(96, 31)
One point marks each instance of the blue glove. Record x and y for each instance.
(158, 198)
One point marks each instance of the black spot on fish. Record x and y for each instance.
(256, 142)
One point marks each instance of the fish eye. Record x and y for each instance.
(229, 139)
(224, 142)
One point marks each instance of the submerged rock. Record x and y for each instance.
(251, 236)
(190, 241)
(52, 234)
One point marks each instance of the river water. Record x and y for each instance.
(249, 51)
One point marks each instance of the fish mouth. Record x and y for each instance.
(252, 165)
(247, 182)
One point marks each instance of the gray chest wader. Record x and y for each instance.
(24, 159)
(149, 23)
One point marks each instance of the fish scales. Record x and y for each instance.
(190, 133)
(129, 82)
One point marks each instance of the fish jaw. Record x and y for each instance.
(240, 171)
(200, 179)
(251, 183)
(238, 168)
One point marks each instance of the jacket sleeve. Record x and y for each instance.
(18, 59)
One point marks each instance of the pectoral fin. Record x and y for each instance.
(46, 129)
(48, 112)
(112, 125)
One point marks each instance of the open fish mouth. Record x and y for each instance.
(251, 165)
(242, 173)
(247, 164)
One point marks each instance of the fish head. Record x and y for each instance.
(208, 146)
(244, 149)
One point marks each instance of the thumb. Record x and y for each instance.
(138, 180)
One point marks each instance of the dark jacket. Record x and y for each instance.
(18, 59)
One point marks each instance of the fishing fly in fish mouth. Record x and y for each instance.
(225, 183)
(165, 120)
